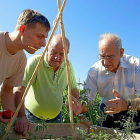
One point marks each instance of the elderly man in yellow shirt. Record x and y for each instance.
(44, 99)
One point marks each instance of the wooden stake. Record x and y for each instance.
(34, 73)
(67, 68)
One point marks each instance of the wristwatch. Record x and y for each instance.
(80, 116)
(129, 105)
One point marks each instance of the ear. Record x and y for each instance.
(22, 29)
(121, 52)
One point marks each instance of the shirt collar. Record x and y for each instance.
(47, 65)
(123, 64)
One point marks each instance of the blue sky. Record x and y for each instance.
(84, 22)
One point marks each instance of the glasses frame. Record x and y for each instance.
(105, 57)
(39, 19)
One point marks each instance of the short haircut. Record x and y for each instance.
(113, 36)
(29, 14)
(59, 35)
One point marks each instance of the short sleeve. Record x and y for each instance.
(16, 79)
(30, 67)
(72, 77)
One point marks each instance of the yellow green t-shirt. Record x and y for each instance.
(44, 98)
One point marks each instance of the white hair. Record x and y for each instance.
(115, 37)
(54, 40)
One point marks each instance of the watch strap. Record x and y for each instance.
(129, 105)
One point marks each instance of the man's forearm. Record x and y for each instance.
(75, 93)
(7, 97)
(18, 96)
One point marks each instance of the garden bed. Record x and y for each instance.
(63, 131)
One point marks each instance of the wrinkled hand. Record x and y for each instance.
(4, 120)
(77, 108)
(21, 125)
(84, 121)
(117, 105)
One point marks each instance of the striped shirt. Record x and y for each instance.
(126, 81)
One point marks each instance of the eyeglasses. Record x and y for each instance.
(111, 57)
(39, 19)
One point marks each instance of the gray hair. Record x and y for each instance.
(59, 35)
(115, 37)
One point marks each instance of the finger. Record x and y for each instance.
(29, 127)
(113, 101)
(110, 112)
(77, 110)
(74, 113)
(4, 120)
(87, 123)
(75, 100)
(25, 127)
(111, 107)
(20, 129)
(117, 94)
(16, 126)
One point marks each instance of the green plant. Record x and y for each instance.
(41, 127)
(65, 113)
(2, 130)
(94, 114)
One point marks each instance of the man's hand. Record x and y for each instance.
(84, 121)
(21, 125)
(117, 105)
(77, 108)
(75, 93)
(4, 120)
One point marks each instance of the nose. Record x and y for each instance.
(57, 57)
(106, 61)
(43, 42)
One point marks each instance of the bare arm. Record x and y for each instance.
(7, 100)
(18, 96)
(75, 93)
(7, 97)
(22, 124)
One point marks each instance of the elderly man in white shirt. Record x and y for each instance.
(125, 80)
(116, 77)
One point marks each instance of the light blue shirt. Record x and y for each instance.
(126, 81)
